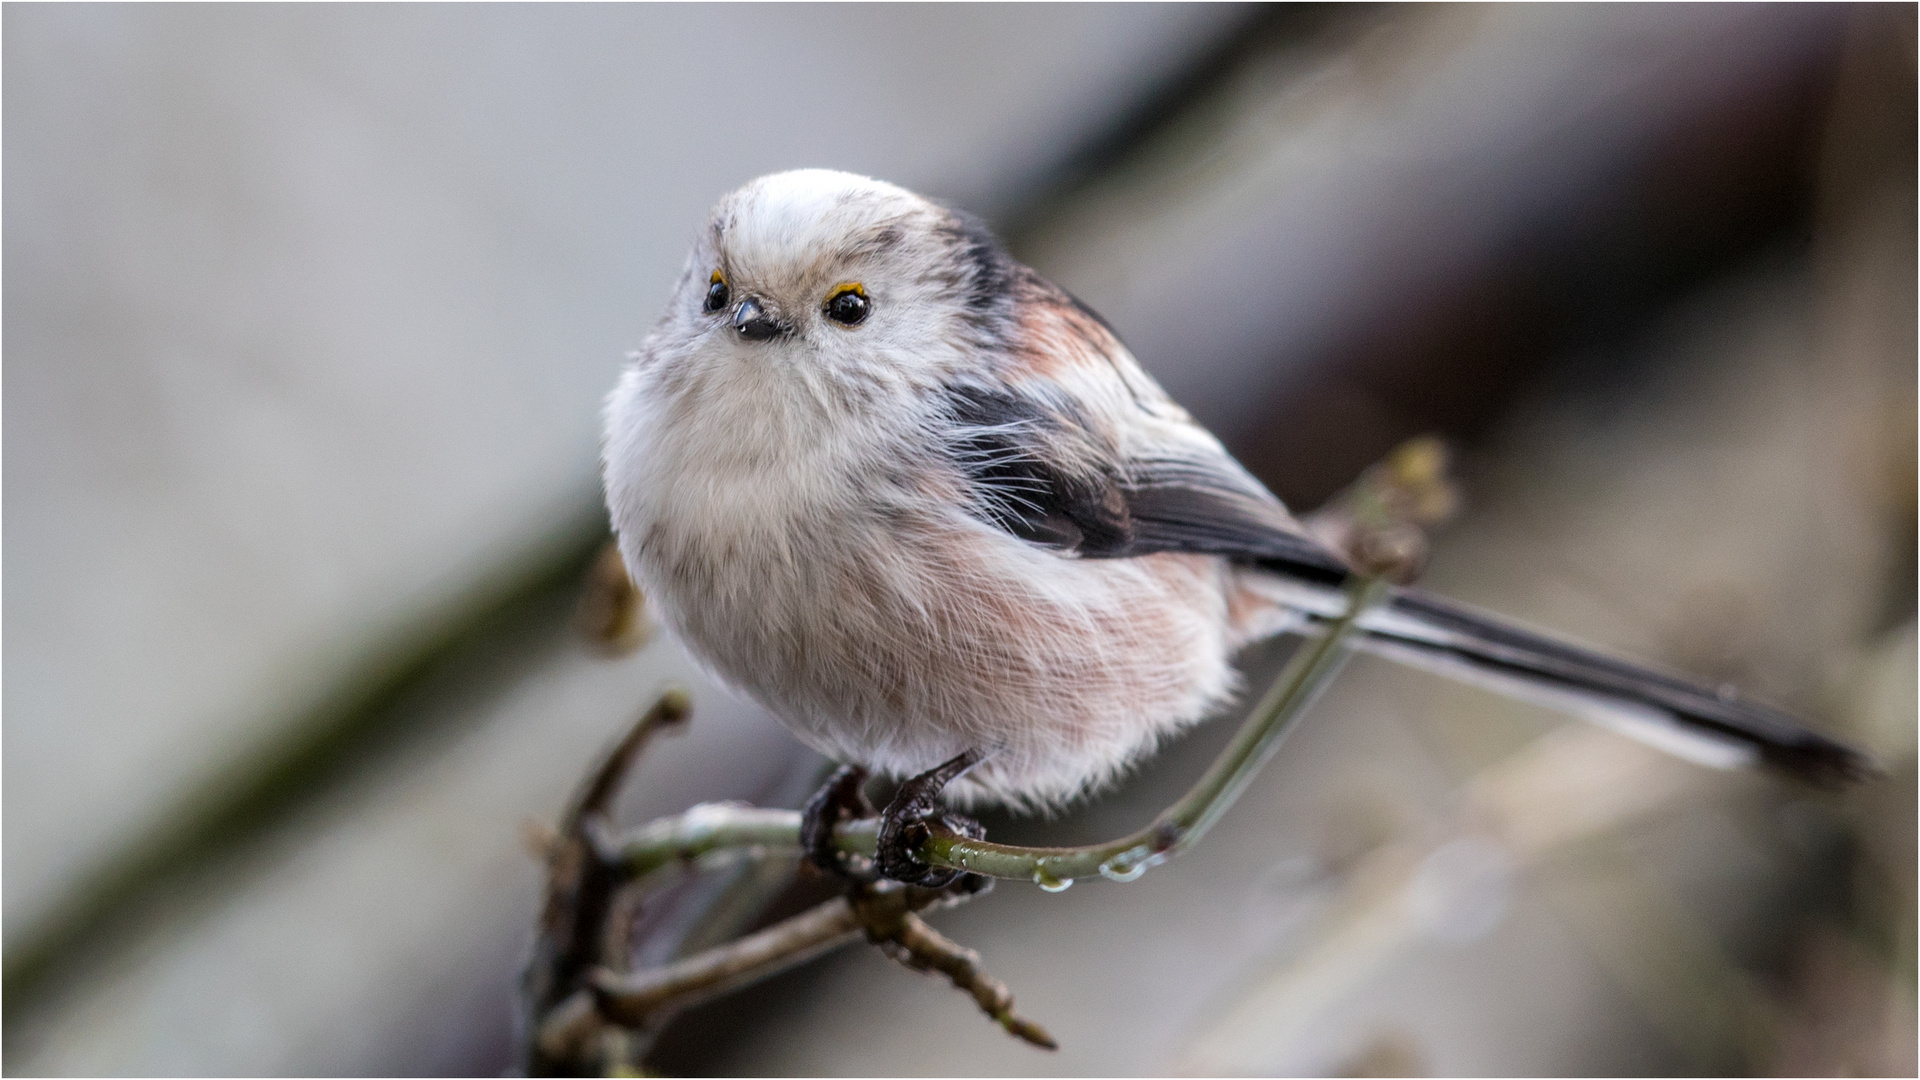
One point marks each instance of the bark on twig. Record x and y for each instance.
(641, 998)
(582, 887)
(920, 947)
(884, 913)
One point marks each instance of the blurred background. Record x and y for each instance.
(310, 311)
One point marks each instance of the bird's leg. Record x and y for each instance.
(909, 818)
(842, 797)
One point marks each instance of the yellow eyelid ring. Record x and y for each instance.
(718, 294)
(847, 304)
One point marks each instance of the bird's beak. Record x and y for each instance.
(753, 322)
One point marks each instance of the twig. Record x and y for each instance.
(638, 999)
(909, 940)
(884, 912)
(711, 827)
(581, 885)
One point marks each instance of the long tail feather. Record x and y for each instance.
(1714, 725)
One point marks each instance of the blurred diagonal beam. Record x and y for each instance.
(357, 722)
(1261, 30)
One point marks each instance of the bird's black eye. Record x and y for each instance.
(717, 293)
(848, 304)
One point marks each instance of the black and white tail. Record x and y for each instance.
(1711, 725)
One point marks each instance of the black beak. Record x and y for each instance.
(753, 322)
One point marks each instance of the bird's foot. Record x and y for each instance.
(842, 798)
(911, 817)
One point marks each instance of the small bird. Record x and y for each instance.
(924, 506)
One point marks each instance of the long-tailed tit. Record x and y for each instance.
(926, 508)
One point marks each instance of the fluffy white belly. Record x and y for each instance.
(900, 647)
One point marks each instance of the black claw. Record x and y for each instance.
(909, 820)
(843, 796)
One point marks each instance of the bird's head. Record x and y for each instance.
(829, 274)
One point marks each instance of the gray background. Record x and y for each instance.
(310, 312)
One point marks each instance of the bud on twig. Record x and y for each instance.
(1380, 523)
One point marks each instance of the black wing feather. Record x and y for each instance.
(1182, 506)
(1020, 454)
(998, 442)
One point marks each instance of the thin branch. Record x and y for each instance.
(711, 827)
(639, 998)
(884, 912)
(922, 948)
(581, 886)
(673, 707)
